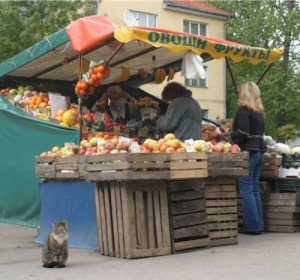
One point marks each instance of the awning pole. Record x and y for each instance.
(80, 101)
(231, 73)
(264, 73)
(114, 53)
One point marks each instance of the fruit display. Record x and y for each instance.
(92, 79)
(103, 143)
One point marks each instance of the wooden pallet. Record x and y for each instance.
(221, 208)
(132, 218)
(188, 216)
(270, 168)
(228, 164)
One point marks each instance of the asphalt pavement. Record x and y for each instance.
(270, 256)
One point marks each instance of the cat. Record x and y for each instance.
(55, 250)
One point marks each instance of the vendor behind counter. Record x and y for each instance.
(119, 105)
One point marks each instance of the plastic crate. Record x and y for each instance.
(288, 185)
(290, 161)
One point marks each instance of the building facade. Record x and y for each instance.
(193, 16)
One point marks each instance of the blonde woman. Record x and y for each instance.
(248, 130)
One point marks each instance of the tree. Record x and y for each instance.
(24, 23)
(268, 24)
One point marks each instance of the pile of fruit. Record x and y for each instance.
(99, 144)
(92, 79)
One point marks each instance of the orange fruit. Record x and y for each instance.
(101, 69)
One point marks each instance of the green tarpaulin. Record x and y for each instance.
(22, 138)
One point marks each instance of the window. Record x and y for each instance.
(145, 19)
(197, 28)
(201, 83)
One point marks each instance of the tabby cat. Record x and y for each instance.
(55, 250)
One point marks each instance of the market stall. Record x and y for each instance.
(147, 201)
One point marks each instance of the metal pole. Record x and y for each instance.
(264, 73)
(231, 73)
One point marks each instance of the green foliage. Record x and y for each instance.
(268, 24)
(288, 132)
(24, 23)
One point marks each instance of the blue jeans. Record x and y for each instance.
(250, 192)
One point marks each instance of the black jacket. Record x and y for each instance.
(248, 130)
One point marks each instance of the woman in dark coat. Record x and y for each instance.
(248, 131)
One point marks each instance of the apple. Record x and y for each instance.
(55, 149)
(169, 136)
(160, 141)
(114, 141)
(217, 148)
(170, 150)
(94, 149)
(163, 147)
(114, 151)
(148, 142)
(81, 151)
(199, 145)
(175, 143)
(227, 147)
(93, 141)
(122, 145)
(109, 146)
(180, 150)
(235, 148)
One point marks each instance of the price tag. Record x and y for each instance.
(190, 149)
(100, 142)
(122, 138)
(135, 147)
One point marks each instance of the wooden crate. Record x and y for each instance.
(228, 164)
(281, 212)
(149, 166)
(270, 168)
(107, 167)
(71, 167)
(221, 208)
(188, 165)
(133, 219)
(188, 215)
(146, 166)
(45, 167)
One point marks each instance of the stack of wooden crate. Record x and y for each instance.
(133, 218)
(281, 212)
(221, 209)
(188, 215)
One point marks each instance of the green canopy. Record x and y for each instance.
(22, 138)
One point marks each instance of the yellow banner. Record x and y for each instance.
(177, 42)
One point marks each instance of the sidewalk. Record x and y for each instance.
(271, 256)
